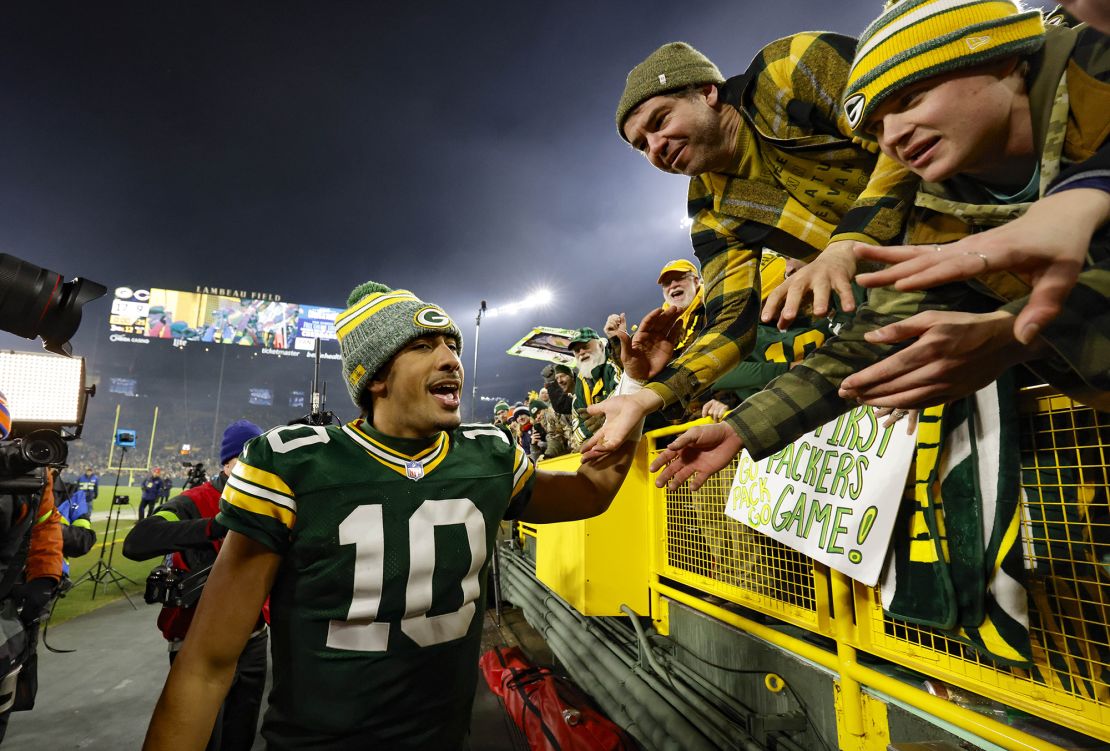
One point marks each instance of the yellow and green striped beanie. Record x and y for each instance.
(915, 39)
(377, 323)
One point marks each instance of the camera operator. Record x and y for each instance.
(30, 569)
(186, 529)
(195, 476)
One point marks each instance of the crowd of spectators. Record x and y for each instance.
(553, 419)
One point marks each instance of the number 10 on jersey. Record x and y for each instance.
(364, 528)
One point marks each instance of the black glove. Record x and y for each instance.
(548, 372)
(36, 596)
(216, 531)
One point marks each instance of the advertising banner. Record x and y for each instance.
(833, 494)
(315, 322)
(125, 386)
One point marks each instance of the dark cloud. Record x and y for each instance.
(465, 150)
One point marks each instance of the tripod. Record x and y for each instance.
(104, 571)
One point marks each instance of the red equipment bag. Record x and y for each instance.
(553, 713)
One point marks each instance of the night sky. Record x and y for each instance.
(466, 151)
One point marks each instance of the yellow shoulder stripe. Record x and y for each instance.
(259, 506)
(261, 477)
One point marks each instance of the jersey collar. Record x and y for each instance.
(409, 457)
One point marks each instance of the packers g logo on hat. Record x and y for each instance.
(432, 317)
(853, 109)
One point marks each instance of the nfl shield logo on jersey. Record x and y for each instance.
(414, 470)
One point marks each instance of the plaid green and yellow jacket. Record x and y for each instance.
(801, 181)
(1069, 98)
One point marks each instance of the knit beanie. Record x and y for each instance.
(235, 436)
(560, 368)
(500, 407)
(672, 67)
(377, 323)
(916, 39)
(537, 405)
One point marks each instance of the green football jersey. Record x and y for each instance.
(377, 607)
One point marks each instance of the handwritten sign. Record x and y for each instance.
(833, 494)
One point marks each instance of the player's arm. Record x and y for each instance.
(731, 279)
(201, 675)
(567, 496)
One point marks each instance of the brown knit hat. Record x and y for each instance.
(672, 67)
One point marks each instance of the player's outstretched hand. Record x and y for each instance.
(831, 271)
(622, 414)
(704, 449)
(1049, 243)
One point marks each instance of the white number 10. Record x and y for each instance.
(364, 529)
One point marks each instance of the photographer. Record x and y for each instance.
(195, 476)
(30, 569)
(186, 529)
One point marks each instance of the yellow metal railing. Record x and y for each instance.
(1065, 449)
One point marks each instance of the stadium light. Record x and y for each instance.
(43, 389)
(537, 298)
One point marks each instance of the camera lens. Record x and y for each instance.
(45, 447)
(36, 302)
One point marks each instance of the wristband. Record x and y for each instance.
(627, 386)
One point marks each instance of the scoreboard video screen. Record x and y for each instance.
(142, 315)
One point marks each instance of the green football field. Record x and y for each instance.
(79, 600)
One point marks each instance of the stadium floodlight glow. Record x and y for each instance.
(685, 222)
(535, 299)
(43, 389)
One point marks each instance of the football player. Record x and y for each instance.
(372, 540)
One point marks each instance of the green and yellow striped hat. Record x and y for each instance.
(377, 323)
(915, 39)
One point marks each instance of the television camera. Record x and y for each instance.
(46, 394)
(195, 476)
(167, 585)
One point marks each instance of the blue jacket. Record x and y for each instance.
(152, 488)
